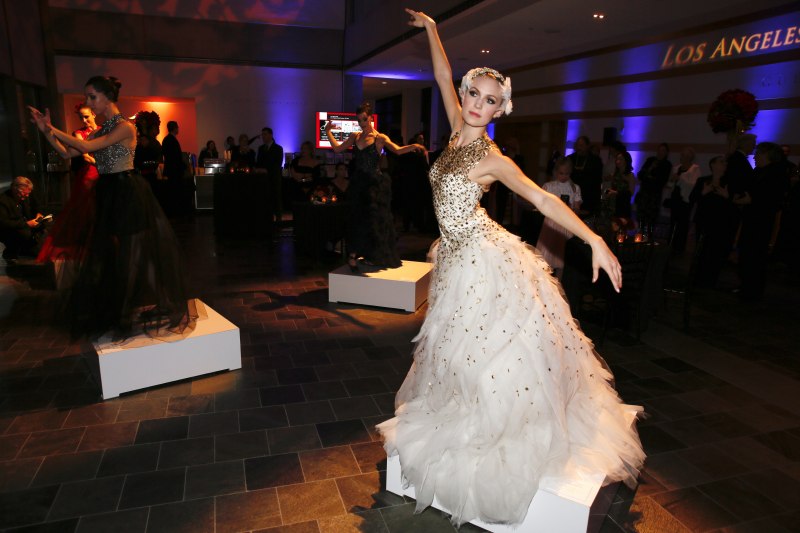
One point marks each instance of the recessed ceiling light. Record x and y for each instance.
(599, 16)
(486, 51)
(384, 83)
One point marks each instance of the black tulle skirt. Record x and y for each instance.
(129, 278)
(370, 231)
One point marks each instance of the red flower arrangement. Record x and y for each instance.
(733, 112)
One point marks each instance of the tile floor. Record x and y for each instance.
(287, 444)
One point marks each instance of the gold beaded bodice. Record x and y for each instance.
(455, 197)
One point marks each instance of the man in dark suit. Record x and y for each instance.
(21, 224)
(587, 173)
(270, 160)
(173, 170)
(739, 172)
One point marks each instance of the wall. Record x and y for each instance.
(644, 93)
(229, 99)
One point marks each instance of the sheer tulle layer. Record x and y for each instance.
(505, 388)
(129, 275)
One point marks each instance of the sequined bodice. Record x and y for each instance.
(116, 157)
(367, 160)
(456, 198)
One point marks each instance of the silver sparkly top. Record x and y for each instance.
(116, 157)
(456, 198)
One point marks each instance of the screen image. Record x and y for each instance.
(343, 125)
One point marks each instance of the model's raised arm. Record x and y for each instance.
(501, 168)
(441, 67)
(124, 131)
(336, 145)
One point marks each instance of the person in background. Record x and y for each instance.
(501, 192)
(617, 191)
(415, 189)
(231, 152)
(614, 149)
(761, 203)
(174, 168)
(683, 179)
(245, 156)
(553, 237)
(73, 220)
(270, 160)
(305, 171)
(22, 226)
(653, 176)
(713, 222)
(587, 173)
(340, 181)
(209, 152)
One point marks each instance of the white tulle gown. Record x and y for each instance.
(505, 387)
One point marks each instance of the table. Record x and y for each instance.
(318, 224)
(241, 202)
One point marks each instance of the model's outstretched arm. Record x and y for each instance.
(501, 168)
(399, 150)
(442, 72)
(336, 145)
(80, 146)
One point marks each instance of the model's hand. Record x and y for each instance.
(42, 120)
(419, 148)
(328, 126)
(603, 258)
(418, 18)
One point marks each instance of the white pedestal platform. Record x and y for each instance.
(405, 287)
(143, 361)
(562, 504)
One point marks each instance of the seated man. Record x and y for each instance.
(22, 226)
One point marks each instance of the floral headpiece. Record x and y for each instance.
(505, 84)
(79, 106)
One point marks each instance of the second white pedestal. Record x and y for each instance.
(405, 287)
(143, 361)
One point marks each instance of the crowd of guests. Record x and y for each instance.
(736, 211)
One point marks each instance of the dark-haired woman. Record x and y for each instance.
(129, 277)
(209, 152)
(72, 223)
(370, 232)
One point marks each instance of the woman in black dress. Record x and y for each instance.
(370, 231)
(129, 271)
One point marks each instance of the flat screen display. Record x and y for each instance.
(343, 125)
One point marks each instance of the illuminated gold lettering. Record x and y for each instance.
(720, 49)
(789, 35)
(684, 54)
(699, 52)
(767, 40)
(667, 61)
(738, 45)
(749, 46)
(777, 42)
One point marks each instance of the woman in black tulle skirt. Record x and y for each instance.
(128, 274)
(370, 231)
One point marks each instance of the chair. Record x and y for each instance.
(636, 260)
(684, 287)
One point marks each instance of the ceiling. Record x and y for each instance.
(520, 32)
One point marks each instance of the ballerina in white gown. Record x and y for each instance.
(505, 388)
